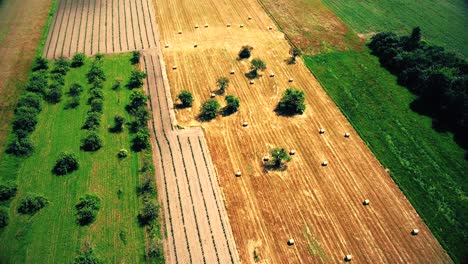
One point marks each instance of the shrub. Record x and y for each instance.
(32, 203)
(92, 142)
(135, 57)
(210, 109)
(26, 110)
(257, 64)
(245, 51)
(141, 140)
(295, 52)
(25, 121)
(95, 73)
(73, 102)
(98, 56)
(75, 89)
(66, 163)
(20, 147)
(37, 82)
(54, 94)
(123, 153)
(7, 191)
(232, 104)
(57, 78)
(186, 98)
(137, 100)
(118, 124)
(87, 209)
(146, 186)
(136, 79)
(61, 66)
(96, 105)
(148, 213)
(222, 83)
(30, 100)
(292, 102)
(40, 63)
(4, 218)
(117, 85)
(95, 93)
(93, 121)
(156, 251)
(278, 155)
(78, 60)
(87, 257)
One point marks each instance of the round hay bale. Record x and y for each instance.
(272, 74)
(232, 72)
(251, 81)
(196, 26)
(206, 25)
(347, 135)
(292, 152)
(415, 232)
(270, 27)
(241, 25)
(266, 158)
(174, 67)
(348, 257)
(244, 124)
(290, 242)
(250, 17)
(212, 95)
(238, 173)
(167, 45)
(291, 80)
(195, 45)
(180, 31)
(228, 25)
(366, 202)
(322, 131)
(324, 163)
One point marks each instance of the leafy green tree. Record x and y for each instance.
(54, 94)
(257, 64)
(92, 142)
(137, 100)
(232, 104)
(156, 251)
(135, 57)
(141, 140)
(32, 203)
(78, 60)
(245, 52)
(87, 257)
(98, 56)
(20, 146)
(117, 85)
(4, 218)
(75, 89)
(119, 121)
(66, 163)
(73, 102)
(295, 52)
(223, 84)
(57, 78)
(210, 109)
(136, 79)
(148, 213)
(37, 82)
(7, 191)
(25, 121)
(40, 63)
(96, 73)
(93, 121)
(87, 209)
(96, 105)
(30, 100)
(278, 156)
(61, 66)
(186, 98)
(292, 102)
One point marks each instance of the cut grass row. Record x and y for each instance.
(34, 239)
(428, 166)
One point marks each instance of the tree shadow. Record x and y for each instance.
(268, 166)
(284, 112)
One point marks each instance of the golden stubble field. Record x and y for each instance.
(319, 207)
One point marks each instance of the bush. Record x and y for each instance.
(66, 163)
(78, 60)
(92, 142)
(147, 186)
(75, 89)
(37, 82)
(95, 93)
(156, 251)
(40, 63)
(26, 110)
(7, 191)
(135, 57)
(54, 94)
(186, 98)
(93, 121)
(222, 83)
(136, 79)
(32, 203)
(20, 147)
(117, 85)
(257, 64)
(87, 209)
(96, 105)
(123, 153)
(245, 51)
(95, 73)
(141, 140)
(119, 121)
(292, 102)
(61, 66)
(87, 257)
(4, 218)
(73, 102)
(30, 100)
(25, 121)
(137, 100)
(210, 109)
(57, 78)
(98, 56)
(148, 213)
(278, 155)
(232, 104)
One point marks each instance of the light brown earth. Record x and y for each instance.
(319, 207)
(21, 24)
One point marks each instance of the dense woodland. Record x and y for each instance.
(439, 78)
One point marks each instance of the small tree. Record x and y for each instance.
(7, 191)
(295, 52)
(54, 94)
(123, 153)
(210, 109)
(4, 218)
(66, 163)
(87, 209)
(40, 63)
(278, 156)
(32, 203)
(87, 257)
(136, 79)
(93, 121)
(245, 52)
(292, 102)
(96, 105)
(78, 60)
(257, 64)
(118, 124)
(75, 89)
(25, 121)
(37, 82)
(141, 140)
(232, 104)
(92, 142)
(20, 146)
(95, 73)
(61, 66)
(223, 84)
(117, 84)
(30, 100)
(73, 102)
(135, 57)
(186, 98)
(98, 56)
(156, 251)
(148, 213)
(137, 100)
(57, 78)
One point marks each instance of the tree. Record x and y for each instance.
(232, 104)
(78, 60)
(278, 156)
(87, 209)
(257, 64)
(73, 102)
(135, 57)
(40, 63)
(25, 121)
(57, 78)
(75, 89)
(95, 73)
(117, 84)
(20, 146)
(292, 102)
(96, 105)
(30, 100)
(223, 84)
(141, 140)
(87, 257)
(295, 52)
(32, 203)
(210, 109)
(37, 82)
(61, 66)
(146, 186)
(136, 79)
(118, 124)
(148, 213)
(137, 100)
(54, 94)
(66, 163)
(123, 153)
(4, 218)
(7, 191)
(412, 42)
(92, 142)
(93, 121)
(245, 52)
(155, 250)
(98, 56)
(186, 98)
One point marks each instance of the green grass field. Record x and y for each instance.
(52, 234)
(442, 22)
(429, 167)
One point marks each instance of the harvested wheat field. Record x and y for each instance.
(100, 26)
(320, 207)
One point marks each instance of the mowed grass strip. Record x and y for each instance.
(428, 166)
(52, 235)
(442, 22)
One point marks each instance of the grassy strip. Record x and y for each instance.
(46, 28)
(428, 166)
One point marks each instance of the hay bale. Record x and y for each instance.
(212, 95)
(270, 27)
(238, 173)
(291, 80)
(348, 257)
(195, 45)
(324, 163)
(272, 74)
(290, 242)
(241, 25)
(415, 232)
(180, 31)
(167, 45)
(366, 202)
(244, 124)
(250, 17)
(251, 81)
(292, 152)
(266, 158)
(196, 26)
(174, 67)
(228, 25)
(232, 72)
(206, 25)
(347, 135)
(322, 131)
